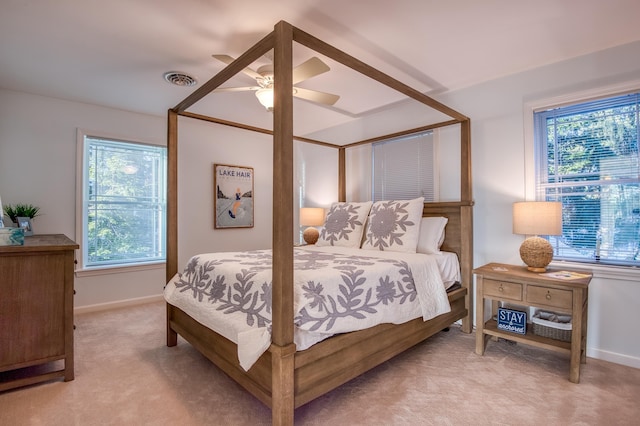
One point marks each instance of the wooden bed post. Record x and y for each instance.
(466, 220)
(172, 195)
(342, 175)
(465, 161)
(282, 348)
(172, 211)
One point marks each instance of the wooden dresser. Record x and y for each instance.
(36, 310)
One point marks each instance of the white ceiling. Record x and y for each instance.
(114, 53)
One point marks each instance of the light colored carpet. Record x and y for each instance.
(125, 375)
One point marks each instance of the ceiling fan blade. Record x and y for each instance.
(308, 69)
(236, 89)
(269, 55)
(228, 59)
(315, 96)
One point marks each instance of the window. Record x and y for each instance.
(123, 207)
(587, 157)
(404, 168)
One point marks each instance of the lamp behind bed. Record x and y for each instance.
(311, 217)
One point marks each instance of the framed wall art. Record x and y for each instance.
(233, 196)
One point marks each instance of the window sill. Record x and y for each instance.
(621, 273)
(107, 270)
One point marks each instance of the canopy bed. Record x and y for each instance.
(283, 377)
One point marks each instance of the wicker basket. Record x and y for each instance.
(552, 325)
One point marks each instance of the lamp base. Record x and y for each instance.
(310, 235)
(536, 253)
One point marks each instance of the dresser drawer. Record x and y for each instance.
(503, 289)
(550, 297)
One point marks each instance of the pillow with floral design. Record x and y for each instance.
(394, 225)
(344, 224)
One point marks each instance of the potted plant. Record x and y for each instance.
(21, 210)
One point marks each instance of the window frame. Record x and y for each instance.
(599, 270)
(81, 269)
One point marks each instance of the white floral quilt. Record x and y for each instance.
(337, 290)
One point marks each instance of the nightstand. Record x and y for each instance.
(510, 283)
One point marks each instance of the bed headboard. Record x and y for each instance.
(458, 232)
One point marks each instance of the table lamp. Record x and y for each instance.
(537, 218)
(310, 217)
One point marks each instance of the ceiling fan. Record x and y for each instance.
(264, 78)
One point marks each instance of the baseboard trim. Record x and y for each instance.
(616, 358)
(118, 304)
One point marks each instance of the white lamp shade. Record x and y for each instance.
(311, 216)
(265, 96)
(537, 218)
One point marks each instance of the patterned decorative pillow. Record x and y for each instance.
(394, 225)
(344, 224)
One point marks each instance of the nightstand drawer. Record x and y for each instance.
(503, 289)
(550, 297)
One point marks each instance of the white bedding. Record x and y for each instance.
(337, 290)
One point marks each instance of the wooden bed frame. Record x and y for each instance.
(282, 378)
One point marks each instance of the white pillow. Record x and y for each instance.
(431, 234)
(344, 224)
(394, 225)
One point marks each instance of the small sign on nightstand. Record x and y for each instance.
(512, 321)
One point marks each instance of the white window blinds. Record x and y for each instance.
(587, 157)
(404, 168)
(124, 202)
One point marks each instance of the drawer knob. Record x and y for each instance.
(500, 289)
(548, 296)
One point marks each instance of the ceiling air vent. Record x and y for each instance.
(179, 78)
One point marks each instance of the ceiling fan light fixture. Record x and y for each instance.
(264, 78)
(265, 97)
